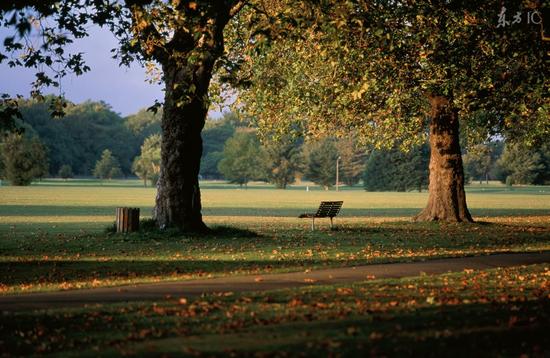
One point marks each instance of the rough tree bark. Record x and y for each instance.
(447, 199)
(178, 202)
(187, 75)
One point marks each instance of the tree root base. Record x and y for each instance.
(427, 216)
(198, 227)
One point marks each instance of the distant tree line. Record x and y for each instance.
(511, 163)
(93, 140)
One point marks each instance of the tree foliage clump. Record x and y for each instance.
(23, 159)
(214, 136)
(283, 161)
(80, 136)
(321, 162)
(147, 165)
(478, 162)
(353, 160)
(243, 159)
(520, 164)
(144, 123)
(395, 170)
(65, 172)
(371, 68)
(544, 176)
(107, 167)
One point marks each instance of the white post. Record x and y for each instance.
(337, 172)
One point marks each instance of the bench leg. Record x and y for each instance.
(331, 226)
(312, 224)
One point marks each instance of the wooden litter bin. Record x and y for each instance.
(127, 219)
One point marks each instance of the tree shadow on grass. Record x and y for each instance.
(34, 272)
(458, 330)
(447, 331)
(148, 229)
(59, 271)
(366, 212)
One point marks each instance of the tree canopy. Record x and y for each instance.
(214, 135)
(370, 67)
(521, 165)
(388, 71)
(243, 159)
(22, 159)
(78, 138)
(147, 164)
(107, 167)
(395, 170)
(321, 162)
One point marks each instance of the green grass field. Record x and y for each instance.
(53, 237)
(53, 234)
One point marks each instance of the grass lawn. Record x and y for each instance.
(52, 237)
(498, 312)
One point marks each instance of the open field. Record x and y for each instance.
(53, 237)
(67, 204)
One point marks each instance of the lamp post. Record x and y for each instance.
(337, 172)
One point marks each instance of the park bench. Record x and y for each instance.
(327, 209)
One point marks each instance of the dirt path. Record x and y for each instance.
(160, 291)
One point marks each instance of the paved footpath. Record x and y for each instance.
(191, 288)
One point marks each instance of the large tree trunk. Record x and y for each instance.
(447, 199)
(178, 202)
(187, 77)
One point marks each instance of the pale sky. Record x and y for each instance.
(125, 89)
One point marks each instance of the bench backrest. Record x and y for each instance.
(329, 209)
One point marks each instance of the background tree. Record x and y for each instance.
(144, 123)
(79, 138)
(147, 165)
(497, 147)
(23, 159)
(243, 159)
(65, 172)
(478, 162)
(413, 168)
(283, 161)
(214, 136)
(390, 71)
(379, 171)
(395, 170)
(321, 162)
(353, 160)
(107, 167)
(521, 164)
(544, 175)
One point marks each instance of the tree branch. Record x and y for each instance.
(150, 40)
(236, 7)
